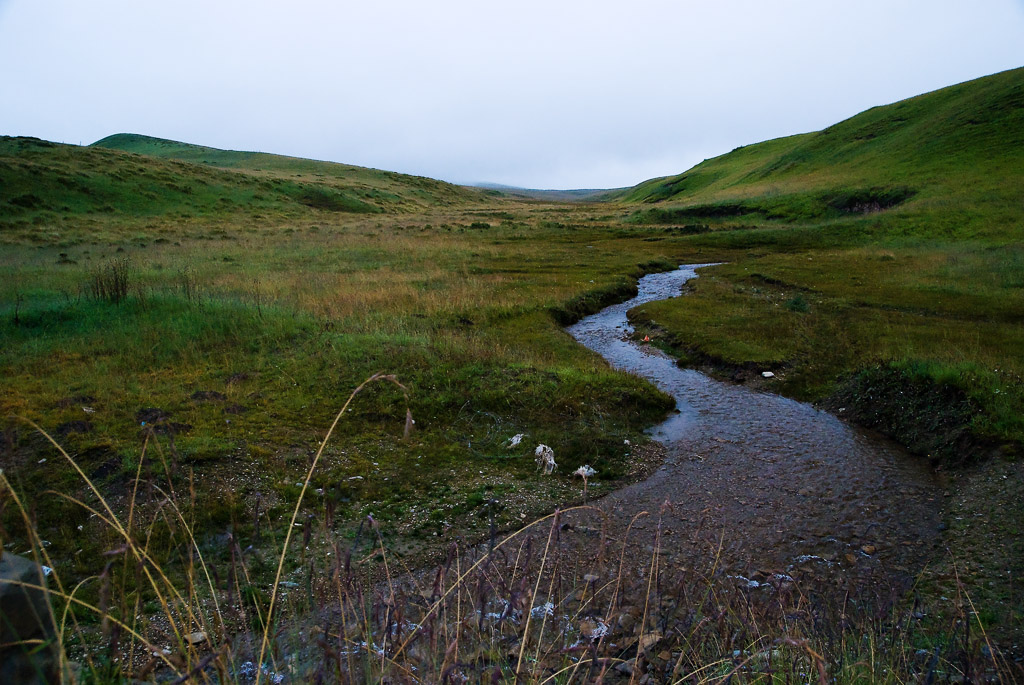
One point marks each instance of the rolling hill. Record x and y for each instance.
(130, 178)
(948, 163)
(380, 187)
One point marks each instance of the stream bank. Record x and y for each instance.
(771, 483)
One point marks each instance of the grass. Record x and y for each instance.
(947, 162)
(243, 340)
(541, 604)
(183, 318)
(821, 316)
(888, 238)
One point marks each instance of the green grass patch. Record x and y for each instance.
(823, 316)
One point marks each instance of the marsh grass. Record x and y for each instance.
(947, 312)
(250, 281)
(271, 326)
(110, 282)
(543, 603)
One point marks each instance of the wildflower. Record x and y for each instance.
(546, 609)
(584, 472)
(545, 458)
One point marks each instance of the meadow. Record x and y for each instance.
(180, 325)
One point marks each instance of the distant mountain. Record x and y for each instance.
(954, 156)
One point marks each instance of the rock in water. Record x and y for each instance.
(24, 615)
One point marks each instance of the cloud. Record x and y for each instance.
(567, 94)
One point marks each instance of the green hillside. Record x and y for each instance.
(876, 268)
(892, 238)
(929, 161)
(380, 187)
(51, 191)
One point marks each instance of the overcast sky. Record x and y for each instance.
(535, 93)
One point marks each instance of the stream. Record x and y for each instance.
(765, 483)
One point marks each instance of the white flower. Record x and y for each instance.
(545, 458)
(546, 609)
(599, 630)
(584, 471)
(515, 440)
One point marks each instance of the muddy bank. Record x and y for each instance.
(595, 300)
(765, 482)
(930, 419)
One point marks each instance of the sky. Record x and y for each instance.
(533, 93)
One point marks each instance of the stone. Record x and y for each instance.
(25, 615)
(647, 640)
(626, 667)
(197, 637)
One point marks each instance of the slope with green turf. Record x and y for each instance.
(891, 238)
(945, 164)
(384, 187)
(50, 192)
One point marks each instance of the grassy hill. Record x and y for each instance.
(891, 237)
(877, 268)
(931, 161)
(50, 191)
(580, 195)
(388, 188)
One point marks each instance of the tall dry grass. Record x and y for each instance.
(553, 601)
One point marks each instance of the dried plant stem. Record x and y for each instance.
(533, 595)
(298, 504)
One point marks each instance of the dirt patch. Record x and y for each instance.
(151, 415)
(208, 396)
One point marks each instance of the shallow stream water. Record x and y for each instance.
(773, 483)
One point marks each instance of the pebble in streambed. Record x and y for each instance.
(763, 481)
